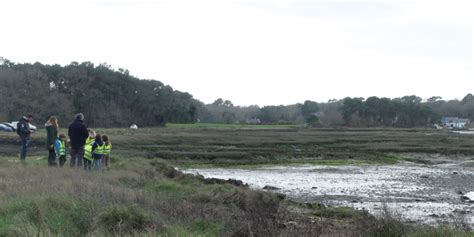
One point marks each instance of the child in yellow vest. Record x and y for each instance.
(106, 151)
(88, 150)
(97, 152)
(60, 146)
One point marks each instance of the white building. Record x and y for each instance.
(455, 122)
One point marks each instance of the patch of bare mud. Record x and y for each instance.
(417, 192)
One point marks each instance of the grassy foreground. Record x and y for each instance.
(142, 195)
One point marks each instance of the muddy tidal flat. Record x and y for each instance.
(413, 192)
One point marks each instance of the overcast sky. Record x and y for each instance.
(257, 52)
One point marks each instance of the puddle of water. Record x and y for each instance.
(419, 193)
(470, 132)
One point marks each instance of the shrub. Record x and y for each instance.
(120, 220)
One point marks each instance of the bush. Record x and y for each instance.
(387, 224)
(120, 220)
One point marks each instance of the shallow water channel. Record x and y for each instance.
(415, 193)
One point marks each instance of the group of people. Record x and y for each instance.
(87, 148)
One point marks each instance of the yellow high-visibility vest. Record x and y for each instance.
(107, 149)
(62, 148)
(99, 150)
(90, 140)
(88, 151)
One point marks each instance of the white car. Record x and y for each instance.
(6, 127)
(11, 127)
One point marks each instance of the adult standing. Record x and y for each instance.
(77, 135)
(23, 130)
(52, 128)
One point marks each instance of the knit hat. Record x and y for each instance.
(79, 116)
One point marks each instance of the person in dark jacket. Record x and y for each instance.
(23, 130)
(77, 135)
(52, 128)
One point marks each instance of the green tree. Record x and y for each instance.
(228, 117)
(107, 97)
(309, 110)
(352, 110)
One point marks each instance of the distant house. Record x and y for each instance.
(455, 122)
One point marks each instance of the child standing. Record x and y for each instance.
(91, 137)
(88, 150)
(97, 151)
(60, 145)
(106, 151)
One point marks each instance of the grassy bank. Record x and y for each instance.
(139, 197)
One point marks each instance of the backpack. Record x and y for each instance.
(18, 128)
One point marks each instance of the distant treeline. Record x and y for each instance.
(111, 98)
(407, 111)
(107, 97)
